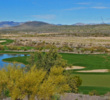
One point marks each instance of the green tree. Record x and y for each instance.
(74, 83)
(50, 59)
(46, 60)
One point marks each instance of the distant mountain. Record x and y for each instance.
(29, 26)
(80, 24)
(78, 29)
(34, 23)
(83, 24)
(108, 23)
(59, 24)
(9, 23)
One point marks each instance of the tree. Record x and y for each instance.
(50, 59)
(13, 74)
(31, 60)
(74, 83)
(46, 60)
(29, 84)
(55, 83)
(3, 83)
(35, 82)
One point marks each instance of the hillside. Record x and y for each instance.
(75, 30)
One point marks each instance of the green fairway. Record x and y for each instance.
(101, 61)
(98, 82)
(88, 89)
(90, 61)
(7, 41)
(95, 80)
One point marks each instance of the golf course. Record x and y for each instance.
(98, 80)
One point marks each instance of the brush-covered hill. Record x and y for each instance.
(27, 26)
(75, 30)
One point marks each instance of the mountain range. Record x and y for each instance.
(36, 23)
(78, 29)
(9, 23)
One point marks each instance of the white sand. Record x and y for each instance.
(74, 67)
(87, 71)
(2, 41)
(97, 70)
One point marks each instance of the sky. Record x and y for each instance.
(56, 11)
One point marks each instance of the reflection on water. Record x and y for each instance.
(3, 56)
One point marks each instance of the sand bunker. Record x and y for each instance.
(2, 41)
(97, 71)
(87, 71)
(74, 67)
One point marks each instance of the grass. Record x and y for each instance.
(20, 48)
(7, 41)
(95, 80)
(13, 52)
(17, 59)
(26, 47)
(98, 61)
(88, 89)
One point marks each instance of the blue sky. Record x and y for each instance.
(55, 11)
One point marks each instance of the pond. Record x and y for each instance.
(4, 56)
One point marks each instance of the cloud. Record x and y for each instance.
(80, 8)
(48, 17)
(83, 3)
(75, 8)
(101, 7)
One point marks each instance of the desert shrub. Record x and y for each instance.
(56, 97)
(107, 94)
(71, 44)
(40, 46)
(11, 47)
(49, 46)
(43, 45)
(65, 43)
(2, 47)
(101, 49)
(96, 49)
(57, 43)
(18, 48)
(93, 92)
(66, 48)
(25, 49)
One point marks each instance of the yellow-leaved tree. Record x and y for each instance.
(54, 84)
(3, 83)
(35, 82)
(30, 82)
